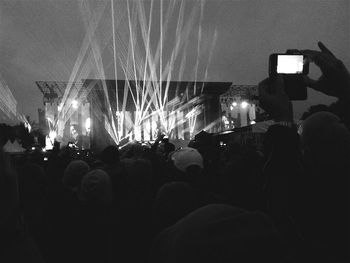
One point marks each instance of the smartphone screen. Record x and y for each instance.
(290, 64)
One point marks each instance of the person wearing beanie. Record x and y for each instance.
(96, 187)
(326, 152)
(110, 155)
(325, 139)
(74, 173)
(174, 200)
(91, 223)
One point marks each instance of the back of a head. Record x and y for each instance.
(326, 143)
(325, 140)
(173, 201)
(168, 148)
(139, 174)
(32, 181)
(281, 141)
(74, 173)
(96, 187)
(220, 233)
(110, 155)
(189, 165)
(187, 157)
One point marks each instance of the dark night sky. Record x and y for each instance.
(41, 39)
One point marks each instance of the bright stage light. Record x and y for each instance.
(252, 122)
(75, 104)
(52, 135)
(234, 104)
(27, 126)
(244, 104)
(50, 140)
(88, 124)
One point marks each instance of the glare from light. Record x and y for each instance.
(191, 113)
(43, 150)
(137, 132)
(75, 104)
(27, 126)
(231, 107)
(300, 129)
(48, 119)
(48, 145)
(33, 148)
(252, 122)
(59, 107)
(244, 104)
(88, 124)
(52, 136)
(234, 104)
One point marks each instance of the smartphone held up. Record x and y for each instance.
(292, 66)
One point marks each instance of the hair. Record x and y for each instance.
(110, 155)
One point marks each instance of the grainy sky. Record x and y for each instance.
(42, 39)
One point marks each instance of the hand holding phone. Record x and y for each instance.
(293, 66)
(274, 100)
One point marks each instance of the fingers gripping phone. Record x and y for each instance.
(292, 65)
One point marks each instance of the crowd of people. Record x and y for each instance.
(286, 201)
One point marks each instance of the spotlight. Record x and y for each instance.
(234, 104)
(252, 122)
(75, 104)
(244, 104)
(52, 135)
(88, 124)
(50, 140)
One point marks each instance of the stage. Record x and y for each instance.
(96, 113)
